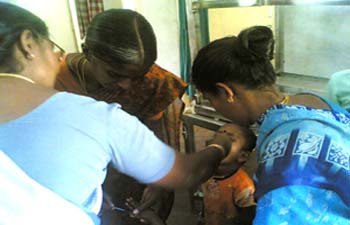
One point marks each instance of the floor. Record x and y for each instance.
(182, 214)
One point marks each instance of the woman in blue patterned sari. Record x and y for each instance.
(303, 174)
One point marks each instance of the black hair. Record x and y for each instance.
(121, 36)
(244, 59)
(13, 21)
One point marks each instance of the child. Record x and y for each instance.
(228, 196)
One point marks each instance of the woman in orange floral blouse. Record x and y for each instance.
(118, 65)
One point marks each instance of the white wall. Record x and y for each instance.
(316, 39)
(163, 16)
(56, 14)
(239, 19)
(108, 4)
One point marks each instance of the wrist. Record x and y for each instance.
(221, 148)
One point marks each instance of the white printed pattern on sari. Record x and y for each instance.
(338, 156)
(307, 145)
(274, 148)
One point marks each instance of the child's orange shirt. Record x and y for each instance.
(222, 196)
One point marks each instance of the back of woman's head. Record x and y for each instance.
(121, 36)
(13, 21)
(244, 60)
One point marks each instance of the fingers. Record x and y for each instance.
(142, 207)
(147, 195)
(229, 130)
(131, 205)
(221, 138)
(136, 208)
(151, 196)
(147, 216)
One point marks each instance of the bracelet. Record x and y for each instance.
(220, 147)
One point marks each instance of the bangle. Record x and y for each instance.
(220, 147)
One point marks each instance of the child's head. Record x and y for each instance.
(244, 141)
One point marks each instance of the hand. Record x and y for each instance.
(147, 216)
(151, 197)
(242, 138)
(222, 139)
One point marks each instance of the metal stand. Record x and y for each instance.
(189, 121)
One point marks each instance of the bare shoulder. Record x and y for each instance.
(308, 100)
(20, 102)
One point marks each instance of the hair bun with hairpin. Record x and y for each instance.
(256, 44)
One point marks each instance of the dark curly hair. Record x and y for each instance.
(244, 59)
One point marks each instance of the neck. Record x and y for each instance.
(261, 100)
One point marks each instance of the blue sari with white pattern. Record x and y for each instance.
(303, 174)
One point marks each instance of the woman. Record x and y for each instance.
(338, 88)
(65, 141)
(118, 65)
(303, 144)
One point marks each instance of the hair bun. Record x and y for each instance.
(256, 44)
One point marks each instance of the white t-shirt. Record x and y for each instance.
(24, 201)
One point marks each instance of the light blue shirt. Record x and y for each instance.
(66, 143)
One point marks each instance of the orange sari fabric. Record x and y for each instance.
(154, 99)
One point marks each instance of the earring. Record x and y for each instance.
(230, 100)
(30, 55)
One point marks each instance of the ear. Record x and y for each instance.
(27, 43)
(226, 91)
(243, 156)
